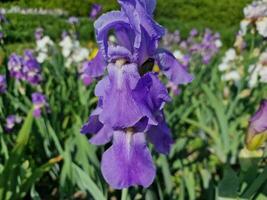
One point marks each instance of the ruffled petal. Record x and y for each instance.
(128, 161)
(104, 24)
(170, 66)
(151, 95)
(119, 52)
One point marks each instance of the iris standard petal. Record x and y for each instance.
(172, 68)
(104, 24)
(128, 161)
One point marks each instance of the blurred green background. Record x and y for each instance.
(220, 15)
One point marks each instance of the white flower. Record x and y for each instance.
(67, 45)
(224, 66)
(244, 26)
(263, 74)
(262, 26)
(230, 55)
(178, 55)
(80, 55)
(231, 76)
(42, 47)
(218, 43)
(44, 43)
(254, 73)
(41, 57)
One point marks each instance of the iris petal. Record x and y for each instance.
(170, 66)
(128, 161)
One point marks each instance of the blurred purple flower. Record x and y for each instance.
(39, 102)
(95, 10)
(73, 20)
(15, 65)
(39, 32)
(11, 121)
(2, 17)
(64, 34)
(193, 32)
(257, 128)
(3, 85)
(31, 68)
(131, 97)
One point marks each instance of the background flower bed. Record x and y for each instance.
(222, 16)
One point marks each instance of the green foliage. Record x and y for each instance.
(220, 15)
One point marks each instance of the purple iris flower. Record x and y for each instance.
(131, 97)
(3, 85)
(39, 101)
(15, 65)
(11, 121)
(95, 10)
(39, 32)
(31, 68)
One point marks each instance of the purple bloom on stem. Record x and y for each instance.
(131, 98)
(95, 10)
(257, 132)
(15, 65)
(31, 68)
(39, 101)
(11, 121)
(3, 85)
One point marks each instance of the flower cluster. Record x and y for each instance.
(131, 97)
(34, 11)
(204, 46)
(43, 44)
(257, 132)
(11, 121)
(3, 85)
(228, 66)
(72, 51)
(255, 15)
(258, 71)
(25, 68)
(39, 101)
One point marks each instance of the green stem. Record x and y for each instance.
(124, 194)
